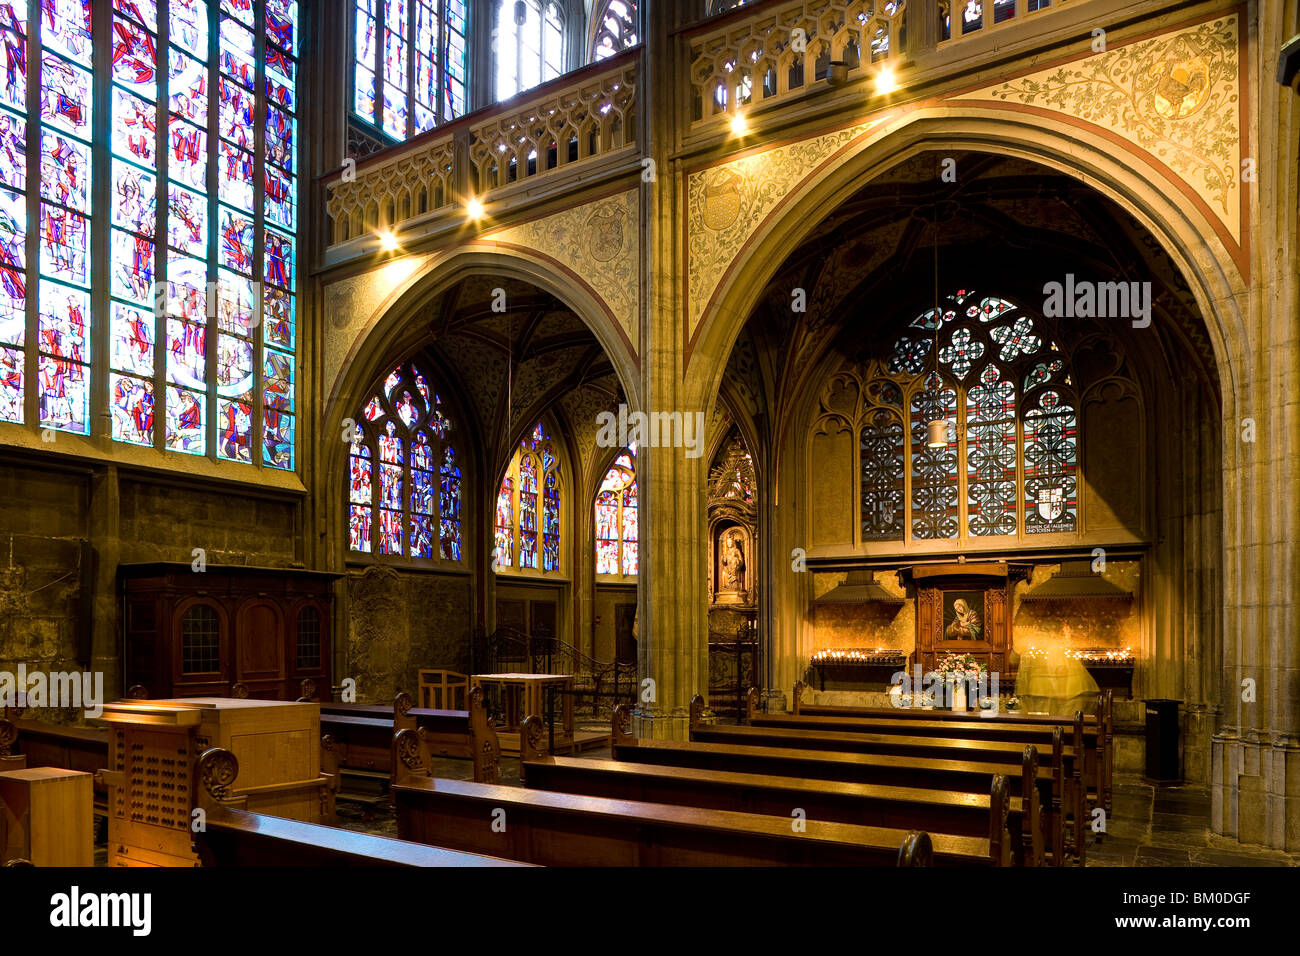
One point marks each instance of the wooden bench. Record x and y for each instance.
(364, 732)
(1068, 788)
(996, 815)
(559, 829)
(235, 837)
(413, 752)
(1083, 739)
(962, 776)
(239, 838)
(1099, 728)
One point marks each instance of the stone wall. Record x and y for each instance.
(400, 620)
(65, 530)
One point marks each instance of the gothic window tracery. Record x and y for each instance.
(1009, 465)
(400, 453)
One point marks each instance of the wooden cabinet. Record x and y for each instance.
(198, 633)
(47, 817)
(154, 747)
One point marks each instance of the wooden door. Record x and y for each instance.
(259, 648)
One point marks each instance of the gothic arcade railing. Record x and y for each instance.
(783, 49)
(980, 16)
(566, 124)
(771, 52)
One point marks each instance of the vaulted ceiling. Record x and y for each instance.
(1004, 225)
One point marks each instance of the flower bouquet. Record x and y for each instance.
(963, 673)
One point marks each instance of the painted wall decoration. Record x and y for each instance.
(1176, 97)
(597, 242)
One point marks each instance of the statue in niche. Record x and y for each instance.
(733, 563)
(731, 566)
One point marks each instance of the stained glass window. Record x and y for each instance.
(1051, 457)
(882, 477)
(409, 64)
(934, 470)
(13, 214)
(529, 502)
(176, 380)
(395, 458)
(615, 28)
(991, 455)
(1007, 396)
(529, 47)
(616, 518)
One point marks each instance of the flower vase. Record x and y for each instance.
(959, 695)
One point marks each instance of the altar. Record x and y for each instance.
(526, 695)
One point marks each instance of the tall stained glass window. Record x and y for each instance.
(1009, 465)
(616, 518)
(404, 483)
(195, 253)
(409, 64)
(616, 26)
(13, 213)
(529, 503)
(528, 44)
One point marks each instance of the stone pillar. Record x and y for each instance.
(1256, 753)
(672, 599)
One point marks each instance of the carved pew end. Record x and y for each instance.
(916, 849)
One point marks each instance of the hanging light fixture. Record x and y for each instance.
(937, 430)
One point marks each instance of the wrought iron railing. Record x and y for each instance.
(598, 686)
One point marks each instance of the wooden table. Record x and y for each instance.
(525, 695)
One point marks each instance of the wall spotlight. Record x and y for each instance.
(474, 209)
(886, 80)
(837, 74)
(739, 125)
(387, 241)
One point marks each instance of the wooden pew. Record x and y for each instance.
(8, 759)
(1040, 735)
(1068, 786)
(997, 815)
(962, 776)
(413, 753)
(364, 732)
(234, 837)
(559, 829)
(1099, 728)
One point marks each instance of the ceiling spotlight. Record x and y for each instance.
(474, 209)
(886, 81)
(738, 125)
(387, 241)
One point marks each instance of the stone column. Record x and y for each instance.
(1256, 754)
(672, 597)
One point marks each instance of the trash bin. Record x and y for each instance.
(1164, 751)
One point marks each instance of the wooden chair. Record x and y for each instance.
(443, 690)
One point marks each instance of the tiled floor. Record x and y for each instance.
(1170, 826)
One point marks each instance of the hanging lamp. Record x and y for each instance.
(937, 430)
